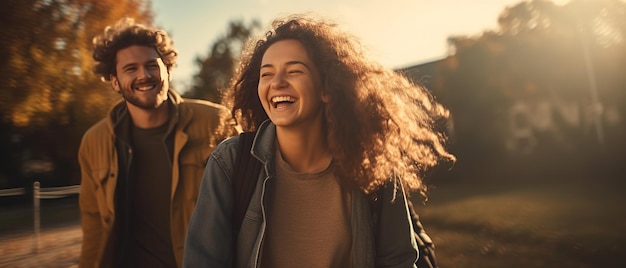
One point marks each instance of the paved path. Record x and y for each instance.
(57, 247)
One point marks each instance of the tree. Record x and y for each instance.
(217, 68)
(48, 92)
(551, 71)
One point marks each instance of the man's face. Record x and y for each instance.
(142, 77)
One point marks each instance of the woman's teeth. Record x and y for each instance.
(283, 98)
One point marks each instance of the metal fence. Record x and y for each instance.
(12, 192)
(38, 194)
(44, 193)
(47, 193)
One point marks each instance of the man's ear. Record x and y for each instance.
(115, 83)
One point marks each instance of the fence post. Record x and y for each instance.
(36, 216)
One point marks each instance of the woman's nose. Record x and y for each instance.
(278, 81)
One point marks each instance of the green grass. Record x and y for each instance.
(567, 223)
(578, 223)
(18, 218)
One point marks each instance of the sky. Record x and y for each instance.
(396, 33)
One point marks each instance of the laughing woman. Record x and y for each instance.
(332, 128)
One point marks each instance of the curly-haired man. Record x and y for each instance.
(141, 166)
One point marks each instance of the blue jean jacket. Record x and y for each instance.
(209, 241)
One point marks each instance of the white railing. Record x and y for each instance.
(46, 193)
(55, 192)
(12, 192)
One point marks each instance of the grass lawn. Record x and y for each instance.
(565, 223)
(579, 223)
(18, 217)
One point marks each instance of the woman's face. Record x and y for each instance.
(289, 86)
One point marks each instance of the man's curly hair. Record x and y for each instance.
(379, 125)
(126, 33)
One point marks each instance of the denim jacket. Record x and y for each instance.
(209, 241)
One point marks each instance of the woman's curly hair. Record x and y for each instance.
(126, 33)
(380, 126)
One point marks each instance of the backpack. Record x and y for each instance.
(246, 172)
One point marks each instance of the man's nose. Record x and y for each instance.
(145, 73)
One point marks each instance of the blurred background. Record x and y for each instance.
(537, 101)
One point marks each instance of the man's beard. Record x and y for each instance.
(150, 102)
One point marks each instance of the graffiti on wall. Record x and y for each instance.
(536, 123)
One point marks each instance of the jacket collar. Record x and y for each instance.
(263, 144)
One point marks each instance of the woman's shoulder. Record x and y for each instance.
(227, 146)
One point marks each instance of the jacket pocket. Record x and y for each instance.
(91, 193)
(101, 176)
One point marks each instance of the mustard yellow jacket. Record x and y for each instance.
(200, 126)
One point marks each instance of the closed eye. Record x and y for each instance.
(130, 69)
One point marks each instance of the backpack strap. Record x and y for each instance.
(425, 245)
(244, 179)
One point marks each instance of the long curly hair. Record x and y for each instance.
(126, 33)
(379, 125)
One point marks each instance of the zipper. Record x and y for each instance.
(262, 233)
